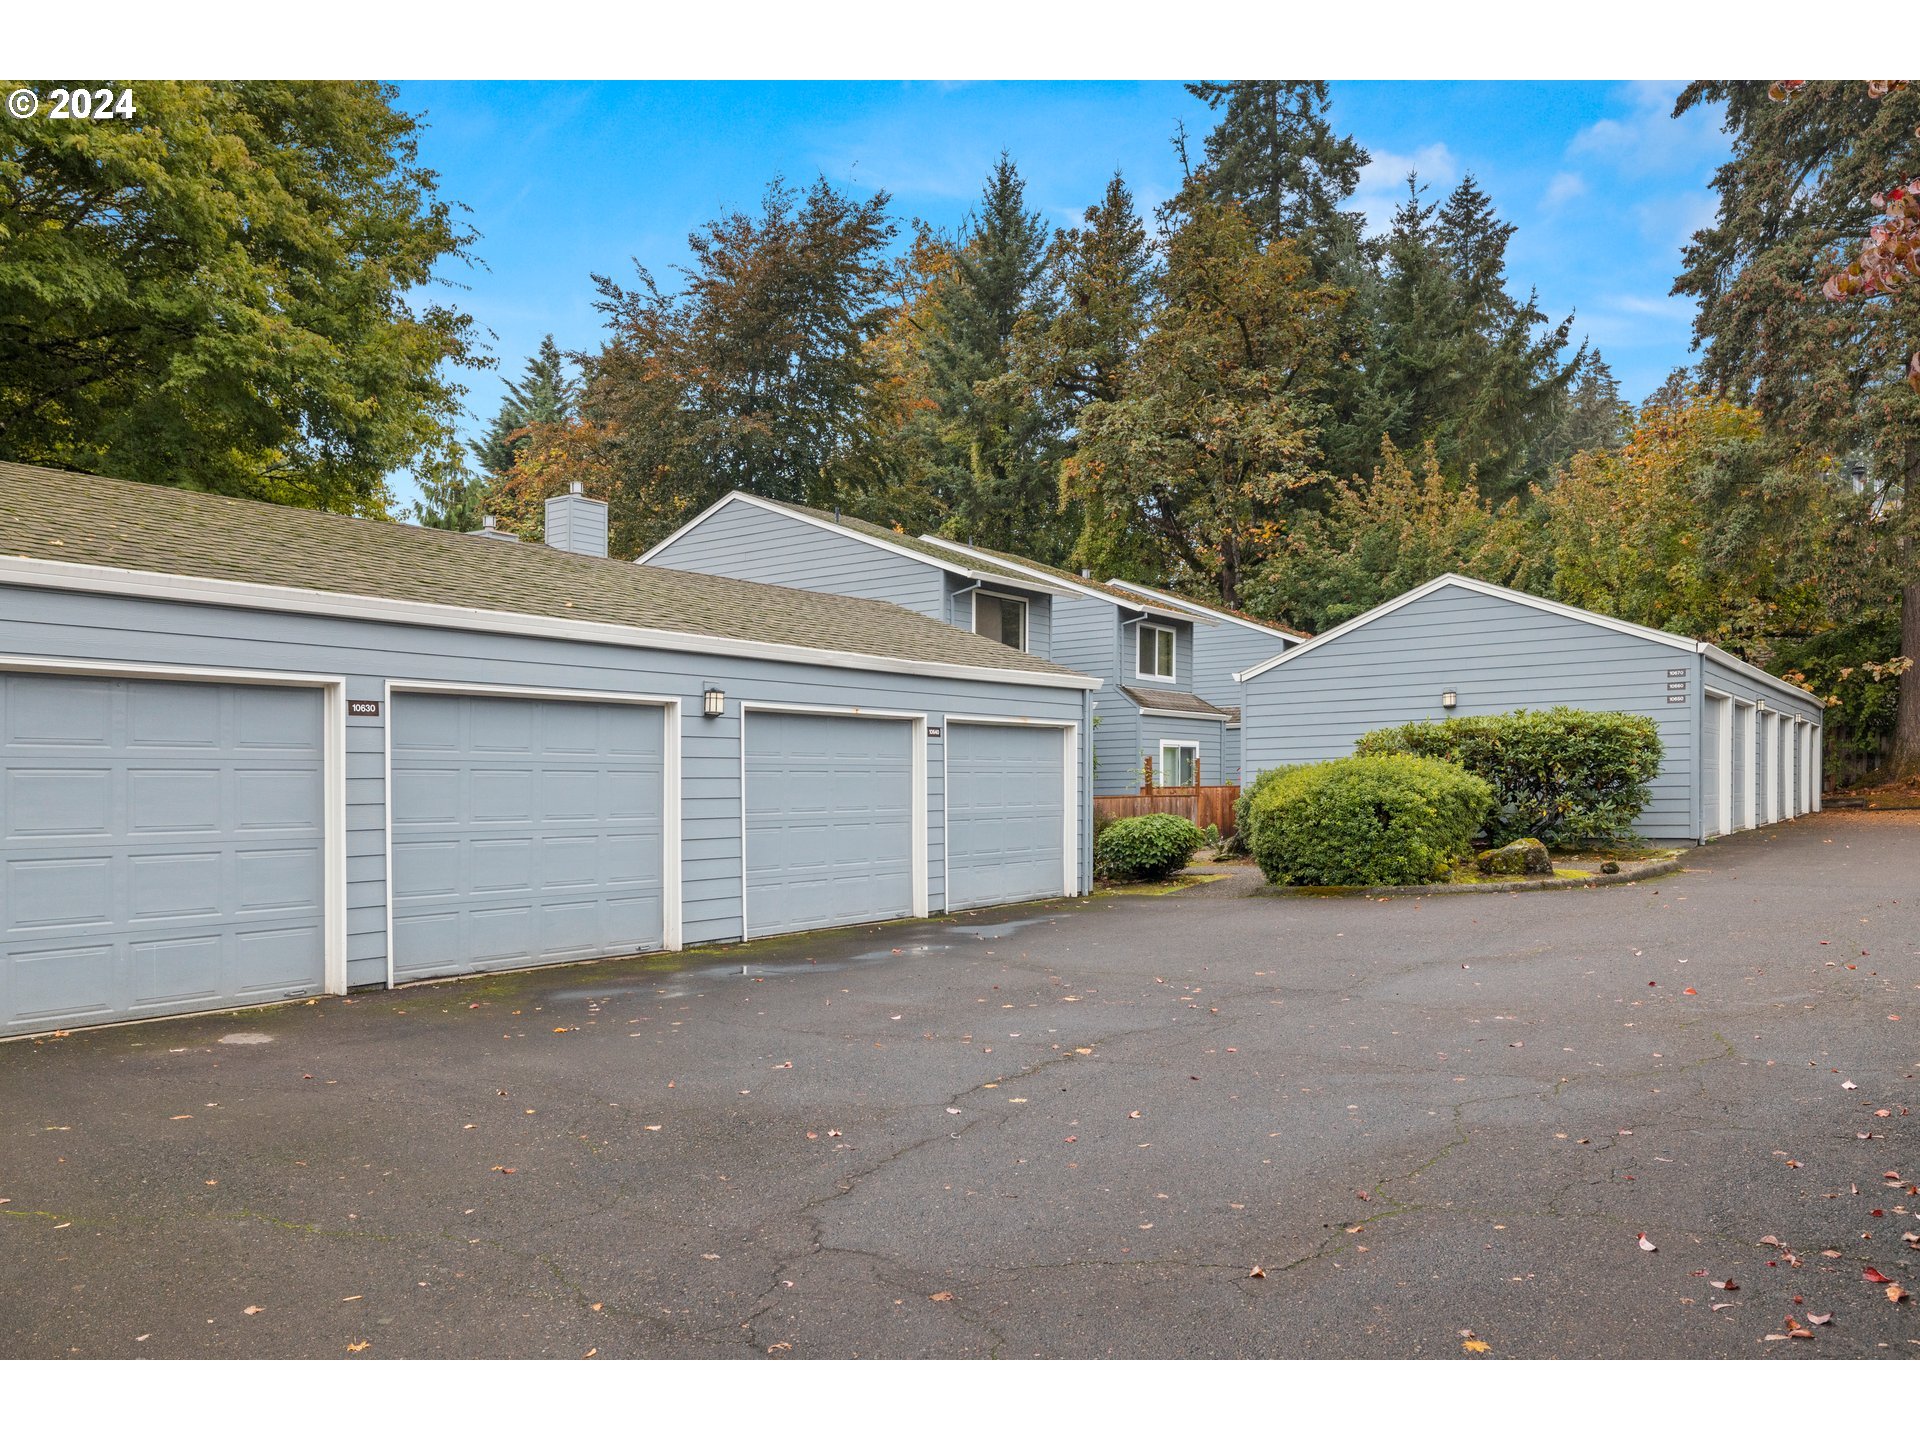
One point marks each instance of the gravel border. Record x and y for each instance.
(1629, 873)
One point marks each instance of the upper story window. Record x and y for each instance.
(1000, 617)
(1155, 658)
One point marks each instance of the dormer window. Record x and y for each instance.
(1155, 661)
(1000, 617)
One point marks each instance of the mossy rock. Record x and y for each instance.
(1522, 857)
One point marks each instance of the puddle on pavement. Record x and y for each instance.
(246, 1037)
(1002, 931)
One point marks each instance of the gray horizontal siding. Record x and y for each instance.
(1222, 651)
(1498, 655)
(747, 542)
(118, 630)
(1207, 734)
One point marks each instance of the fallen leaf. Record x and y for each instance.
(941, 1295)
(1721, 1305)
(1256, 1273)
(1475, 1347)
(1768, 1240)
(1873, 1276)
(253, 1310)
(1813, 1319)
(1848, 1085)
(709, 1257)
(779, 1345)
(1728, 1285)
(356, 1346)
(1895, 1294)
(1646, 1244)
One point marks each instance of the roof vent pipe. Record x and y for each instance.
(490, 529)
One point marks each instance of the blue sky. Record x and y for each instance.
(567, 179)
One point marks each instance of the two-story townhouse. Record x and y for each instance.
(1237, 642)
(1145, 647)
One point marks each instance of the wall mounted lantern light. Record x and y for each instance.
(1448, 699)
(713, 703)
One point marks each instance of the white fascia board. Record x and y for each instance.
(250, 595)
(1755, 673)
(1198, 611)
(1068, 587)
(1183, 715)
(1478, 587)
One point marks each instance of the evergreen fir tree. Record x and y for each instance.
(999, 438)
(545, 394)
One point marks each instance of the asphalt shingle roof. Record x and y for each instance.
(914, 543)
(1178, 700)
(91, 520)
(1222, 610)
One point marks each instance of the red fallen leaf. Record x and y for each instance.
(1873, 1276)
(1690, 991)
(1646, 1244)
(1877, 1214)
(1724, 1284)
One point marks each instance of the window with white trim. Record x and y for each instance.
(1179, 762)
(1154, 657)
(1000, 617)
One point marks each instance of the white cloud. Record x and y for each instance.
(1383, 181)
(1567, 185)
(1646, 137)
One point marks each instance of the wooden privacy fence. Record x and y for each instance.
(1204, 805)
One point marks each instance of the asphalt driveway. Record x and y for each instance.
(1070, 1129)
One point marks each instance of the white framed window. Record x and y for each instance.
(1000, 617)
(1179, 762)
(1153, 659)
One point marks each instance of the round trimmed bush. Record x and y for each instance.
(1146, 847)
(1368, 820)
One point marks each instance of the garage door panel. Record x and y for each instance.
(186, 874)
(526, 832)
(1006, 826)
(46, 802)
(176, 717)
(174, 887)
(830, 818)
(173, 974)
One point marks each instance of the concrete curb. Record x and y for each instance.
(1629, 874)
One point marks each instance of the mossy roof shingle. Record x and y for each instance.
(83, 519)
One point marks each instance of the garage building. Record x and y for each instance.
(1741, 747)
(250, 753)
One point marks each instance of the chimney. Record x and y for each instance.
(490, 529)
(577, 524)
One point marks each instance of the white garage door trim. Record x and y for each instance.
(918, 861)
(1070, 809)
(333, 706)
(1723, 761)
(668, 705)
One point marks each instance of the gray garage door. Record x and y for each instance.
(161, 848)
(525, 832)
(829, 821)
(1006, 790)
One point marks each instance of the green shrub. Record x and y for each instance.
(1243, 821)
(1563, 776)
(1372, 820)
(1146, 847)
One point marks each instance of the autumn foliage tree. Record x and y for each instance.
(1202, 454)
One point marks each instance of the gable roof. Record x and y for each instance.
(1220, 612)
(1069, 582)
(865, 531)
(1551, 607)
(76, 531)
